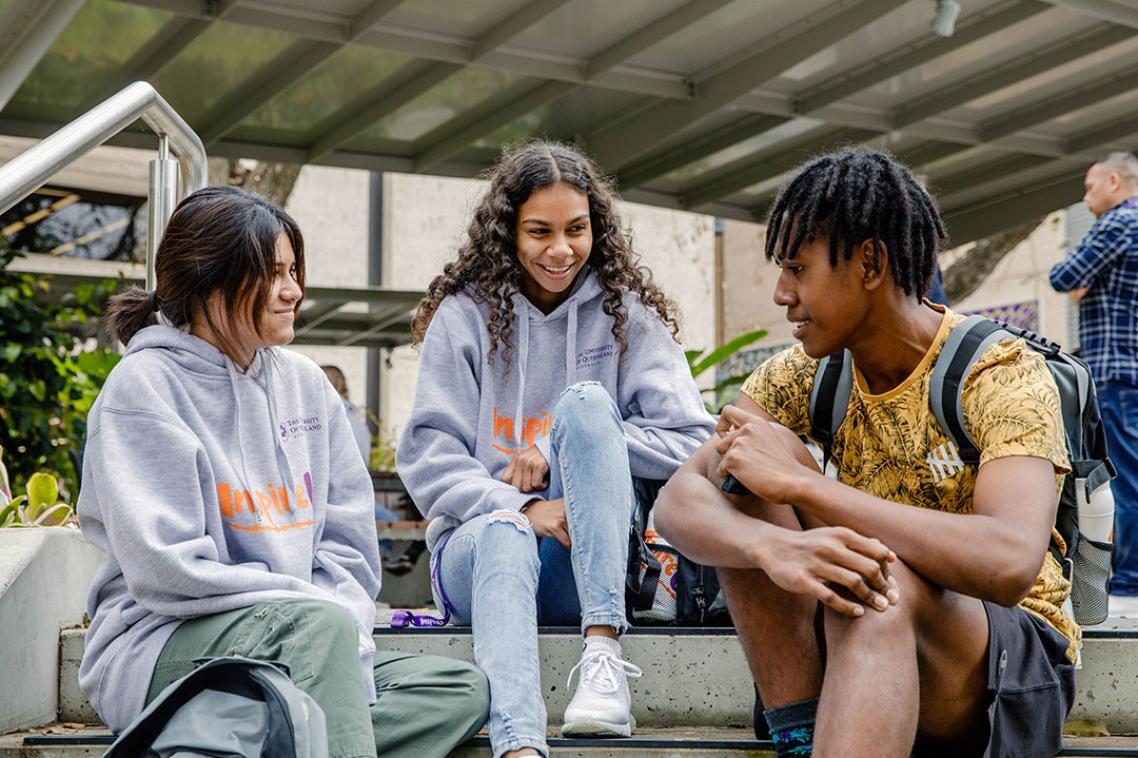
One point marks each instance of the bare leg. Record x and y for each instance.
(769, 619)
(920, 665)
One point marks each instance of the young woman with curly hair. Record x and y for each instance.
(550, 376)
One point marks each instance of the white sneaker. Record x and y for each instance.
(601, 705)
(1123, 607)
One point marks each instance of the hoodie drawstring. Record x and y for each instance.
(521, 355)
(232, 371)
(571, 345)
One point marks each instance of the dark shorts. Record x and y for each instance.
(1031, 683)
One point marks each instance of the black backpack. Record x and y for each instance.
(1087, 563)
(698, 600)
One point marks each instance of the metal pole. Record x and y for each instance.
(163, 197)
(26, 172)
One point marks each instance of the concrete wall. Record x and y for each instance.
(331, 207)
(44, 575)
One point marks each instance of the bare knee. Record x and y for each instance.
(905, 617)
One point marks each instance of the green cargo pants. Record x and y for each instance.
(427, 704)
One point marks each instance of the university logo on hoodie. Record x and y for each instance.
(273, 508)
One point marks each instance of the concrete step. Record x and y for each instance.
(62, 741)
(696, 677)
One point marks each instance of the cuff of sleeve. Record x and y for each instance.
(508, 499)
(543, 446)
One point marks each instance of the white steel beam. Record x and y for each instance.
(909, 57)
(767, 164)
(287, 68)
(154, 56)
(1098, 138)
(401, 88)
(468, 127)
(624, 143)
(1046, 57)
(375, 12)
(653, 33)
(1062, 103)
(1001, 210)
(696, 147)
(272, 79)
(511, 27)
(1118, 11)
(27, 32)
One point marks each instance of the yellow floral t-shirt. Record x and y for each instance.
(891, 445)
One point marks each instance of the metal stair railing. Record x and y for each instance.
(171, 179)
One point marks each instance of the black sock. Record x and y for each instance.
(792, 728)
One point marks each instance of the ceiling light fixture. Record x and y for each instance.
(947, 12)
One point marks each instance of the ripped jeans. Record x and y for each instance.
(490, 566)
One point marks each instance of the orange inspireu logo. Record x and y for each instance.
(271, 509)
(530, 429)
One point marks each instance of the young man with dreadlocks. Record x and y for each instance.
(870, 624)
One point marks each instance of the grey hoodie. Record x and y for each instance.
(469, 417)
(210, 489)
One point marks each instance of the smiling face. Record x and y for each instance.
(553, 238)
(275, 319)
(823, 303)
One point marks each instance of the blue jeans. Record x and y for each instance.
(490, 566)
(1119, 406)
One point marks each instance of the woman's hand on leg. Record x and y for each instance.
(548, 519)
(528, 470)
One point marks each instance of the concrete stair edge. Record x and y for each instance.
(698, 679)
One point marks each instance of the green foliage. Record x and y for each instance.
(700, 361)
(39, 506)
(382, 456)
(48, 376)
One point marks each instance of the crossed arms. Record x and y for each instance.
(842, 557)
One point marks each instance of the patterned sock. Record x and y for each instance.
(792, 728)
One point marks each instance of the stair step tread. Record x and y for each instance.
(691, 740)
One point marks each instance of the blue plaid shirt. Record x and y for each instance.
(1106, 261)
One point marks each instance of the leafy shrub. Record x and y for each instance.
(49, 376)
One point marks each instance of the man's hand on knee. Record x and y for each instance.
(838, 567)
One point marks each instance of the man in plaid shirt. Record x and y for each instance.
(1101, 275)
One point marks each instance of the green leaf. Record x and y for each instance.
(8, 513)
(43, 493)
(38, 389)
(726, 350)
(12, 351)
(54, 516)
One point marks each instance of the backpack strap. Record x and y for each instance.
(829, 399)
(961, 350)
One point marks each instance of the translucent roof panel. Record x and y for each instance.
(90, 53)
(701, 104)
(308, 105)
(216, 63)
(465, 89)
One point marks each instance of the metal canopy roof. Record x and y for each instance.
(697, 104)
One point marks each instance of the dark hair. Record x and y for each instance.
(858, 194)
(487, 263)
(219, 239)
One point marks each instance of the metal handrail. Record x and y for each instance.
(28, 171)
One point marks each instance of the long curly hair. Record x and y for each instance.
(487, 264)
